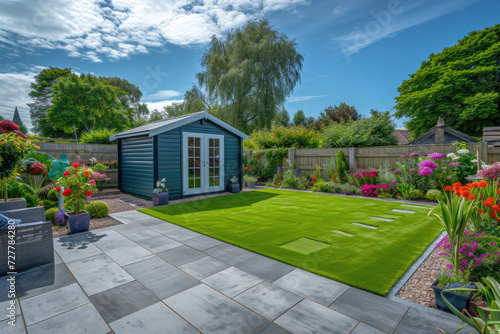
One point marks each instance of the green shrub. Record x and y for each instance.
(342, 167)
(97, 209)
(99, 168)
(322, 186)
(53, 195)
(97, 137)
(42, 193)
(433, 195)
(270, 184)
(274, 159)
(16, 189)
(345, 188)
(49, 204)
(384, 195)
(281, 136)
(50, 214)
(249, 178)
(416, 194)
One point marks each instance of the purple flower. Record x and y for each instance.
(443, 167)
(453, 164)
(393, 182)
(403, 156)
(425, 170)
(414, 155)
(428, 163)
(435, 156)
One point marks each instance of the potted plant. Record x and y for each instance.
(458, 298)
(160, 193)
(249, 181)
(79, 185)
(100, 179)
(234, 185)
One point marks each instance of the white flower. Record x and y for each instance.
(163, 180)
(463, 151)
(455, 158)
(473, 160)
(450, 155)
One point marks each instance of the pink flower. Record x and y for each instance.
(413, 155)
(425, 170)
(92, 182)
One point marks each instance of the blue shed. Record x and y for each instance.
(196, 153)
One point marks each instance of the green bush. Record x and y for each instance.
(97, 137)
(347, 189)
(270, 184)
(97, 209)
(99, 168)
(53, 195)
(50, 214)
(42, 193)
(342, 167)
(433, 195)
(16, 189)
(281, 136)
(384, 195)
(416, 194)
(274, 159)
(49, 204)
(322, 186)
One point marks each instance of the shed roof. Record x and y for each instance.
(402, 135)
(167, 124)
(440, 124)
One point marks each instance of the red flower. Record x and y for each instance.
(58, 188)
(86, 173)
(278, 182)
(41, 204)
(471, 197)
(66, 192)
(313, 178)
(89, 193)
(66, 173)
(75, 164)
(488, 202)
(448, 188)
(69, 184)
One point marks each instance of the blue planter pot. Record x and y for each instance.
(458, 300)
(77, 223)
(160, 199)
(234, 188)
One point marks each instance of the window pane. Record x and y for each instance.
(211, 142)
(197, 142)
(216, 181)
(216, 142)
(191, 162)
(191, 183)
(190, 152)
(190, 141)
(216, 163)
(216, 171)
(197, 152)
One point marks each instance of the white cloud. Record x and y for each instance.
(163, 95)
(115, 29)
(160, 104)
(339, 10)
(303, 98)
(14, 90)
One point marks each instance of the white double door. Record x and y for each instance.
(203, 163)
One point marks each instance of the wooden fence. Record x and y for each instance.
(105, 154)
(375, 157)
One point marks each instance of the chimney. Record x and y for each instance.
(439, 134)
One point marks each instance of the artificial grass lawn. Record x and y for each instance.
(296, 228)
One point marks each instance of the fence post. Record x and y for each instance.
(291, 157)
(483, 150)
(352, 156)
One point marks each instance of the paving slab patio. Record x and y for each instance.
(150, 276)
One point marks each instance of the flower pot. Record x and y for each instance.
(160, 198)
(77, 223)
(60, 218)
(458, 300)
(234, 188)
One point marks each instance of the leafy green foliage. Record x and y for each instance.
(97, 209)
(16, 189)
(282, 117)
(299, 118)
(43, 192)
(98, 137)
(373, 131)
(99, 168)
(342, 166)
(281, 136)
(405, 190)
(251, 72)
(460, 84)
(50, 214)
(342, 113)
(434, 195)
(274, 159)
(53, 195)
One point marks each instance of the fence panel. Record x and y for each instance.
(106, 154)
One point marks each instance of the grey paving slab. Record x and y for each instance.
(57, 259)
(417, 321)
(84, 319)
(128, 228)
(366, 226)
(211, 312)
(71, 248)
(202, 243)
(264, 267)
(232, 281)
(49, 304)
(164, 228)
(382, 219)
(155, 319)
(120, 248)
(274, 329)
(131, 217)
(181, 255)
(204, 267)
(98, 273)
(268, 300)
(116, 303)
(362, 328)
(160, 277)
(371, 309)
(159, 244)
(8, 294)
(403, 211)
(131, 232)
(182, 234)
(47, 278)
(229, 253)
(310, 317)
(319, 289)
(17, 328)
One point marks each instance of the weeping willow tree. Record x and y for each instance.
(250, 73)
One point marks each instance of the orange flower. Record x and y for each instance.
(448, 188)
(496, 208)
(475, 184)
(464, 192)
(471, 197)
(498, 191)
(488, 202)
(483, 184)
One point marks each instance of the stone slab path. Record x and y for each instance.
(150, 276)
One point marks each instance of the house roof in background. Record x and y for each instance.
(167, 124)
(402, 136)
(440, 124)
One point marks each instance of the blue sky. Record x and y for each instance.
(357, 51)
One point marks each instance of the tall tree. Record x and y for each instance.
(251, 73)
(282, 117)
(41, 93)
(461, 84)
(87, 103)
(299, 118)
(337, 114)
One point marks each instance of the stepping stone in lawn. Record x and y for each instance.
(403, 211)
(305, 246)
(383, 219)
(343, 233)
(365, 225)
(416, 206)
